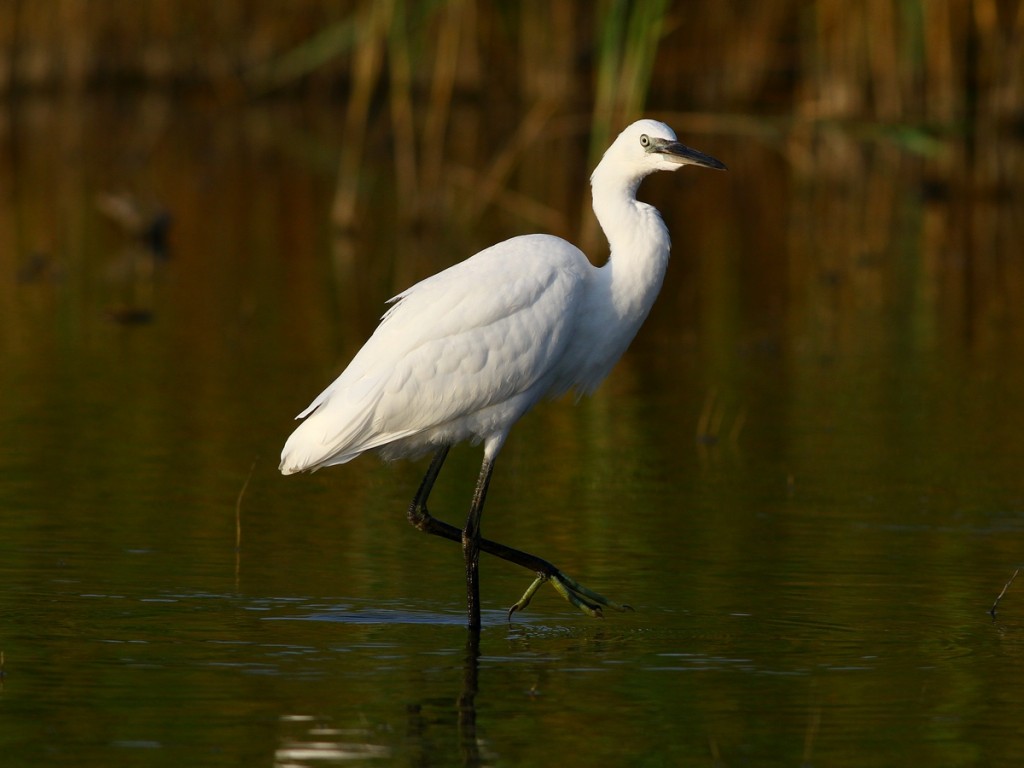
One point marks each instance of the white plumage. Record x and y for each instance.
(464, 354)
(460, 355)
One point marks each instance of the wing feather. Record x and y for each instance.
(479, 334)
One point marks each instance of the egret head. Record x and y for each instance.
(647, 146)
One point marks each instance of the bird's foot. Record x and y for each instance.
(587, 600)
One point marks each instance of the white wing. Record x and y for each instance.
(488, 331)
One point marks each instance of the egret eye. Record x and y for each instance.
(645, 140)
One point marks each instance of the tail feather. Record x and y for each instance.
(317, 441)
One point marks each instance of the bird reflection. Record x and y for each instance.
(469, 745)
(146, 229)
(423, 724)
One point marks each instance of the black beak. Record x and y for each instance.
(684, 155)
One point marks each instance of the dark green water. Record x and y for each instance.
(811, 565)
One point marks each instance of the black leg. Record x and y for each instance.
(418, 514)
(420, 517)
(472, 543)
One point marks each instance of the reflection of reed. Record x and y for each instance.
(857, 206)
(711, 429)
(366, 65)
(926, 62)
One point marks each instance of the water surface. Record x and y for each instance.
(805, 475)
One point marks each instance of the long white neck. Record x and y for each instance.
(639, 243)
(623, 291)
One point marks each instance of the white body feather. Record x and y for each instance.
(464, 354)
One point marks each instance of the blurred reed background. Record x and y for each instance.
(935, 61)
(949, 65)
(837, 90)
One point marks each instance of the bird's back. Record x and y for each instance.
(460, 355)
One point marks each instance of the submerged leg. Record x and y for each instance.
(586, 600)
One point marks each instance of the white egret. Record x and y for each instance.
(464, 354)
